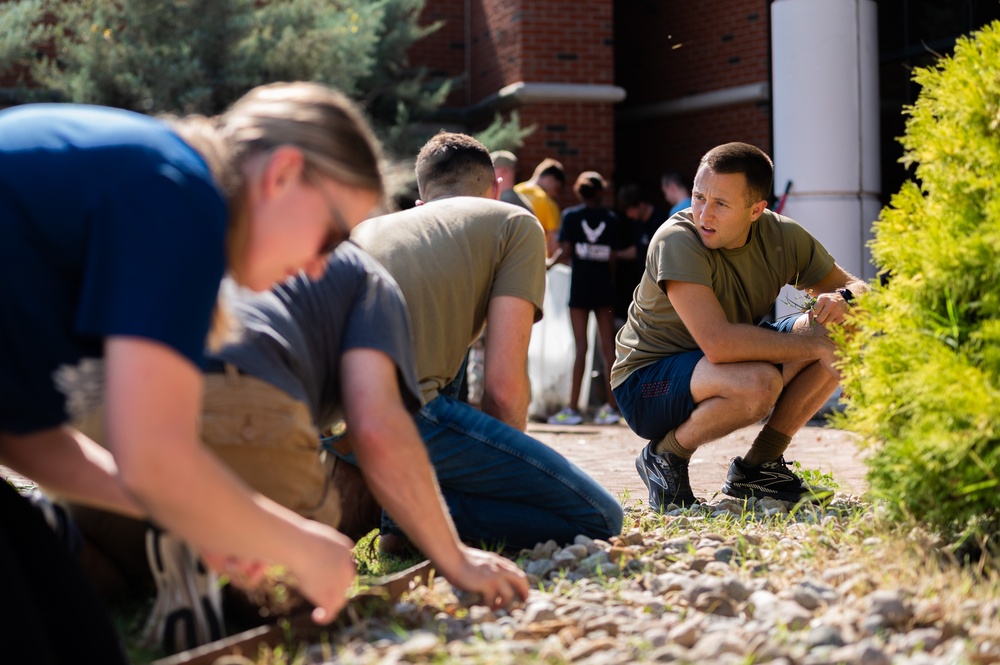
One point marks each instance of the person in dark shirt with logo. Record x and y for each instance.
(591, 235)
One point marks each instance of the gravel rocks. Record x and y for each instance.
(764, 582)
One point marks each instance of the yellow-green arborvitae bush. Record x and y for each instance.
(922, 373)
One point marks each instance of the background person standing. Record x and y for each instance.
(591, 234)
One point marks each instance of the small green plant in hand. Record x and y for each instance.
(802, 303)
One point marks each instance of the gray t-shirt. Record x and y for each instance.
(294, 336)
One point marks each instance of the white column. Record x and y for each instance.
(826, 116)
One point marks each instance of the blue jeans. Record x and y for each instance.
(504, 487)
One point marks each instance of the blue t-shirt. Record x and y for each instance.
(109, 225)
(294, 336)
(683, 204)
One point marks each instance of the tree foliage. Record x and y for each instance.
(21, 29)
(504, 134)
(186, 56)
(923, 371)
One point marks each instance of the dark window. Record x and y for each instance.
(913, 33)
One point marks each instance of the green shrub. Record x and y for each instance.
(922, 371)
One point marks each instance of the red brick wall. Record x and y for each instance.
(568, 41)
(444, 52)
(678, 48)
(644, 150)
(581, 136)
(556, 41)
(497, 44)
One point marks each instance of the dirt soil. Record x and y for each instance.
(608, 454)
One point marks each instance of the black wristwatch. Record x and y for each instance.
(846, 295)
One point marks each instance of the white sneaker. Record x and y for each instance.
(568, 416)
(607, 415)
(188, 608)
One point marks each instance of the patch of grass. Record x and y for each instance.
(816, 477)
(372, 562)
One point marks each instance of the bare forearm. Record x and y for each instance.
(509, 405)
(398, 471)
(506, 387)
(70, 465)
(197, 496)
(628, 254)
(74, 467)
(747, 343)
(857, 286)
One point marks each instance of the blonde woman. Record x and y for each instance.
(115, 230)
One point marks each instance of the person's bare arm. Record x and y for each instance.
(396, 467)
(153, 401)
(565, 252)
(506, 388)
(558, 252)
(725, 342)
(67, 463)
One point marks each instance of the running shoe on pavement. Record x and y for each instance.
(568, 416)
(666, 477)
(775, 480)
(607, 415)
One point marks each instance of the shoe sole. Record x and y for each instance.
(741, 493)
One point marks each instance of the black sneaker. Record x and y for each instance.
(666, 477)
(770, 479)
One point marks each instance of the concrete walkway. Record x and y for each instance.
(608, 454)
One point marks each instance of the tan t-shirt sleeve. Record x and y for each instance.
(520, 270)
(680, 256)
(814, 262)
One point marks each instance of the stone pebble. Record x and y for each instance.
(698, 597)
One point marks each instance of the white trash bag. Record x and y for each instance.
(552, 351)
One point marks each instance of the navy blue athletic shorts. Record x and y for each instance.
(657, 398)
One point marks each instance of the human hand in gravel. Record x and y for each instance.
(329, 571)
(497, 581)
(395, 465)
(324, 571)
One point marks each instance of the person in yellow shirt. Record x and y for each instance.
(542, 190)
